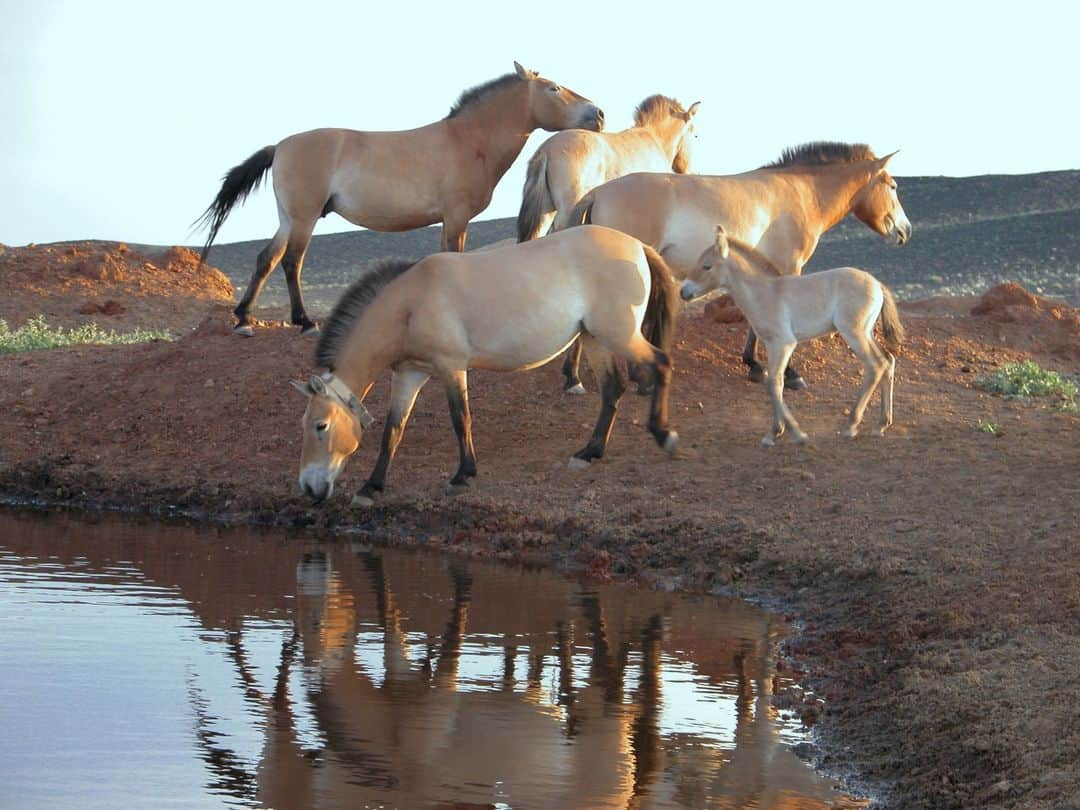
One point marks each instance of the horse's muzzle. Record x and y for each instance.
(688, 291)
(593, 119)
(316, 488)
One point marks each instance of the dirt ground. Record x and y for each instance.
(935, 571)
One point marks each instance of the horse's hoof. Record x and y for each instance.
(576, 390)
(795, 384)
(801, 438)
(671, 443)
(309, 329)
(850, 432)
(460, 488)
(244, 330)
(768, 441)
(362, 501)
(644, 390)
(577, 463)
(757, 375)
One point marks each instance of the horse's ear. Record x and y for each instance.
(883, 161)
(302, 387)
(693, 110)
(722, 246)
(524, 72)
(317, 385)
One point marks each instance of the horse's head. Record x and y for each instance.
(554, 107)
(333, 425)
(712, 271)
(684, 152)
(879, 207)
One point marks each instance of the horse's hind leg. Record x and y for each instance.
(874, 366)
(268, 259)
(779, 355)
(571, 369)
(404, 388)
(292, 263)
(887, 394)
(612, 386)
(457, 394)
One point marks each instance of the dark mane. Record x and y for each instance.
(822, 153)
(474, 94)
(656, 108)
(351, 306)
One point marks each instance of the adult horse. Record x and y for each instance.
(569, 164)
(395, 181)
(506, 309)
(781, 209)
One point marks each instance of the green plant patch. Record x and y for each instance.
(1027, 381)
(36, 334)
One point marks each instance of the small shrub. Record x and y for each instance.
(1027, 380)
(993, 428)
(37, 334)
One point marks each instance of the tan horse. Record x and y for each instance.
(505, 309)
(395, 181)
(786, 310)
(569, 164)
(781, 209)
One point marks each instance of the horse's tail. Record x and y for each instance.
(663, 304)
(581, 214)
(891, 328)
(535, 198)
(237, 184)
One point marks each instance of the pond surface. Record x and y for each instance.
(149, 665)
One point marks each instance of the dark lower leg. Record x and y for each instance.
(264, 265)
(458, 397)
(391, 438)
(571, 366)
(292, 264)
(749, 358)
(658, 411)
(792, 379)
(612, 387)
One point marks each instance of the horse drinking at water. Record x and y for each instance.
(781, 209)
(395, 181)
(786, 310)
(571, 163)
(505, 309)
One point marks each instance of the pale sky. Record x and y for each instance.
(121, 117)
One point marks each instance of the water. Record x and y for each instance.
(161, 666)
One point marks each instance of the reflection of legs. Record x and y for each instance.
(268, 259)
(457, 393)
(612, 386)
(645, 737)
(404, 388)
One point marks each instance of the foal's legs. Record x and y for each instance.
(268, 259)
(292, 263)
(779, 355)
(887, 394)
(792, 378)
(404, 387)
(612, 386)
(875, 365)
(457, 394)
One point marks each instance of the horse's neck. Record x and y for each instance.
(833, 192)
(748, 279)
(666, 135)
(374, 344)
(494, 130)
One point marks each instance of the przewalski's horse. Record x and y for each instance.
(781, 209)
(786, 310)
(395, 181)
(569, 164)
(506, 309)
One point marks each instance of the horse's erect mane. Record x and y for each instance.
(822, 153)
(656, 108)
(351, 306)
(474, 94)
(755, 257)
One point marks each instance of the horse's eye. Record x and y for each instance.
(555, 88)
(322, 427)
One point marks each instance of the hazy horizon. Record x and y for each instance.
(126, 116)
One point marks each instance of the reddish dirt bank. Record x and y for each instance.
(936, 569)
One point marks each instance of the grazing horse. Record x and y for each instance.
(570, 163)
(781, 209)
(786, 310)
(505, 309)
(395, 181)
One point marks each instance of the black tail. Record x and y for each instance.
(663, 306)
(238, 183)
(535, 199)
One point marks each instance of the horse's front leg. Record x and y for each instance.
(457, 394)
(404, 387)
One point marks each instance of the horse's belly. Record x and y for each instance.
(522, 352)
